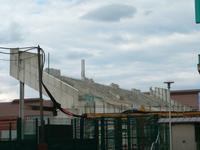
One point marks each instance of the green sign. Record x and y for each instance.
(197, 10)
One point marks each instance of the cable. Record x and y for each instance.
(8, 48)
(7, 60)
(156, 141)
(17, 59)
(58, 105)
(18, 51)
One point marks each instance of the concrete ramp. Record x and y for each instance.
(24, 67)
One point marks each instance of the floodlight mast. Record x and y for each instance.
(170, 123)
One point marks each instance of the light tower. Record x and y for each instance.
(170, 123)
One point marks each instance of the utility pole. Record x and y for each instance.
(21, 97)
(40, 64)
(21, 108)
(170, 123)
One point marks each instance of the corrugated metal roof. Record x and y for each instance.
(180, 120)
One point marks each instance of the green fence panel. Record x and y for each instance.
(197, 11)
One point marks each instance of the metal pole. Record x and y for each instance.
(82, 122)
(21, 108)
(10, 131)
(40, 95)
(48, 62)
(129, 133)
(103, 134)
(96, 129)
(36, 131)
(170, 123)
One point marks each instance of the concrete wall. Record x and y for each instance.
(183, 137)
(25, 69)
(100, 106)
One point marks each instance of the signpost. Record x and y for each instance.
(197, 11)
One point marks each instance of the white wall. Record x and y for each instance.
(183, 137)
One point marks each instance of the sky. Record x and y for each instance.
(133, 43)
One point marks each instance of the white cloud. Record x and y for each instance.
(154, 41)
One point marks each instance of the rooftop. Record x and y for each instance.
(31, 108)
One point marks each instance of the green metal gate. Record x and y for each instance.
(131, 133)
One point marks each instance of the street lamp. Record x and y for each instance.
(170, 123)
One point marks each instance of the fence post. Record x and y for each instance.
(129, 132)
(19, 122)
(97, 133)
(118, 134)
(74, 126)
(139, 133)
(82, 128)
(36, 131)
(10, 131)
(103, 134)
(48, 121)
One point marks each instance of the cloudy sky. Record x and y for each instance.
(134, 43)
